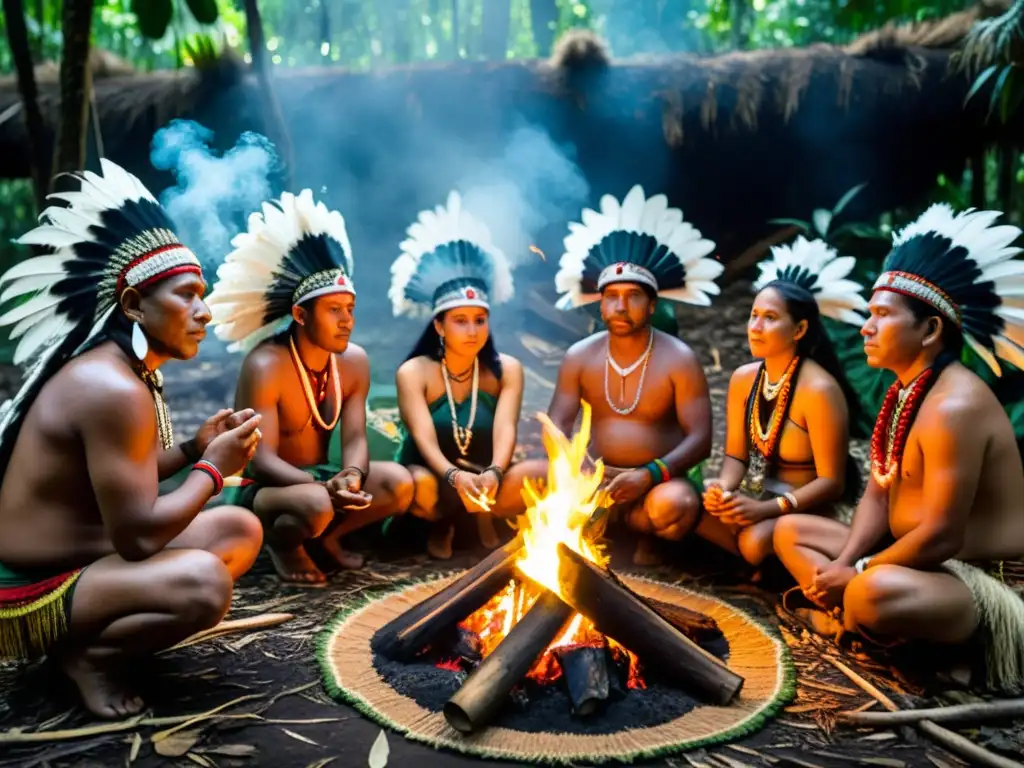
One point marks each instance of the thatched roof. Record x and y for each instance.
(734, 139)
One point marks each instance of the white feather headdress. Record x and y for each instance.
(964, 267)
(293, 251)
(448, 260)
(641, 240)
(112, 235)
(815, 266)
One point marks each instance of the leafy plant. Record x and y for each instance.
(821, 222)
(154, 16)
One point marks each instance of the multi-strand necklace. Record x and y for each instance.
(154, 381)
(893, 427)
(764, 441)
(643, 360)
(463, 435)
(313, 400)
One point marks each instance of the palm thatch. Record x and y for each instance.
(734, 140)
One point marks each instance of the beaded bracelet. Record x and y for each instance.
(191, 451)
(450, 474)
(353, 468)
(498, 473)
(212, 472)
(658, 471)
(784, 504)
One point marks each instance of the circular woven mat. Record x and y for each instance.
(758, 656)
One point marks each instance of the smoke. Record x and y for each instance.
(213, 196)
(533, 184)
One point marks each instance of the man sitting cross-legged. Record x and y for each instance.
(96, 569)
(944, 505)
(286, 294)
(651, 408)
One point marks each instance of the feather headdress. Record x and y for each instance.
(112, 235)
(642, 240)
(294, 251)
(448, 260)
(816, 267)
(964, 267)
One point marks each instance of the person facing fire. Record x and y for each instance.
(944, 506)
(285, 296)
(459, 398)
(788, 417)
(97, 569)
(650, 400)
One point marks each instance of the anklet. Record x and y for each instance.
(212, 472)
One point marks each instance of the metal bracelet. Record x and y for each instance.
(498, 473)
(450, 475)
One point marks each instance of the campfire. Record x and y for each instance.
(547, 608)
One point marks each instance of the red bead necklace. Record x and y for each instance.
(893, 426)
(767, 440)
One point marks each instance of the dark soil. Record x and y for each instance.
(276, 668)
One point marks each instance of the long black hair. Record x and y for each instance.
(816, 345)
(429, 346)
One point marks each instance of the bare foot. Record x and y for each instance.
(295, 568)
(485, 529)
(101, 693)
(646, 553)
(439, 543)
(347, 560)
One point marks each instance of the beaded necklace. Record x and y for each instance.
(154, 381)
(764, 441)
(644, 359)
(463, 435)
(893, 426)
(307, 388)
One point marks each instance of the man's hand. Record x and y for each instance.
(739, 509)
(346, 491)
(231, 450)
(829, 584)
(628, 486)
(218, 424)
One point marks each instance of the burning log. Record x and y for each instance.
(619, 614)
(405, 636)
(587, 677)
(696, 626)
(485, 690)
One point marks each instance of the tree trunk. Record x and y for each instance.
(497, 17)
(75, 82)
(543, 19)
(40, 44)
(17, 37)
(276, 126)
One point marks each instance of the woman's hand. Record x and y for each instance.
(488, 484)
(744, 511)
(471, 491)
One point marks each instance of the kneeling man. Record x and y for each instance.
(944, 506)
(651, 407)
(286, 294)
(96, 569)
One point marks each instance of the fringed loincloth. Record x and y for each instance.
(1001, 625)
(33, 613)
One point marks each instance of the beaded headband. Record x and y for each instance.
(323, 283)
(917, 287)
(624, 272)
(146, 258)
(463, 296)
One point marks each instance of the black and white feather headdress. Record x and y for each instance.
(964, 267)
(112, 235)
(448, 260)
(642, 240)
(816, 267)
(294, 251)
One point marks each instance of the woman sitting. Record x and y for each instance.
(789, 416)
(459, 399)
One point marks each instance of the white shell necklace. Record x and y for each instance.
(644, 359)
(314, 408)
(463, 435)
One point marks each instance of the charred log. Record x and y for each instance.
(588, 673)
(405, 636)
(621, 615)
(487, 687)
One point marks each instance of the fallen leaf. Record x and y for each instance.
(136, 746)
(177, 744)
(322, 763)
(300, 737)
(883, 736)
(379, 751)
(200, 760)
(230, 750)
(940, 762)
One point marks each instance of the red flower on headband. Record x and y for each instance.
(470, 293)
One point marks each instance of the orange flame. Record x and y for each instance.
(539, 252)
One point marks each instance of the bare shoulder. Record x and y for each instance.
(510, 366)
(265, 361)
(355, 360)
(412, 371)
(957, 405)
(818, 382)
(104, 385)
(584, 348)
(675, 349)
(744, 375)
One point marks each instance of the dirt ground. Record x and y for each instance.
(275, 711)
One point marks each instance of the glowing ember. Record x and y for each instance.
(556, 514)
(539, 252)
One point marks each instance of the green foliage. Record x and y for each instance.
(153, 17)
(820, 226)
(204, 11)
